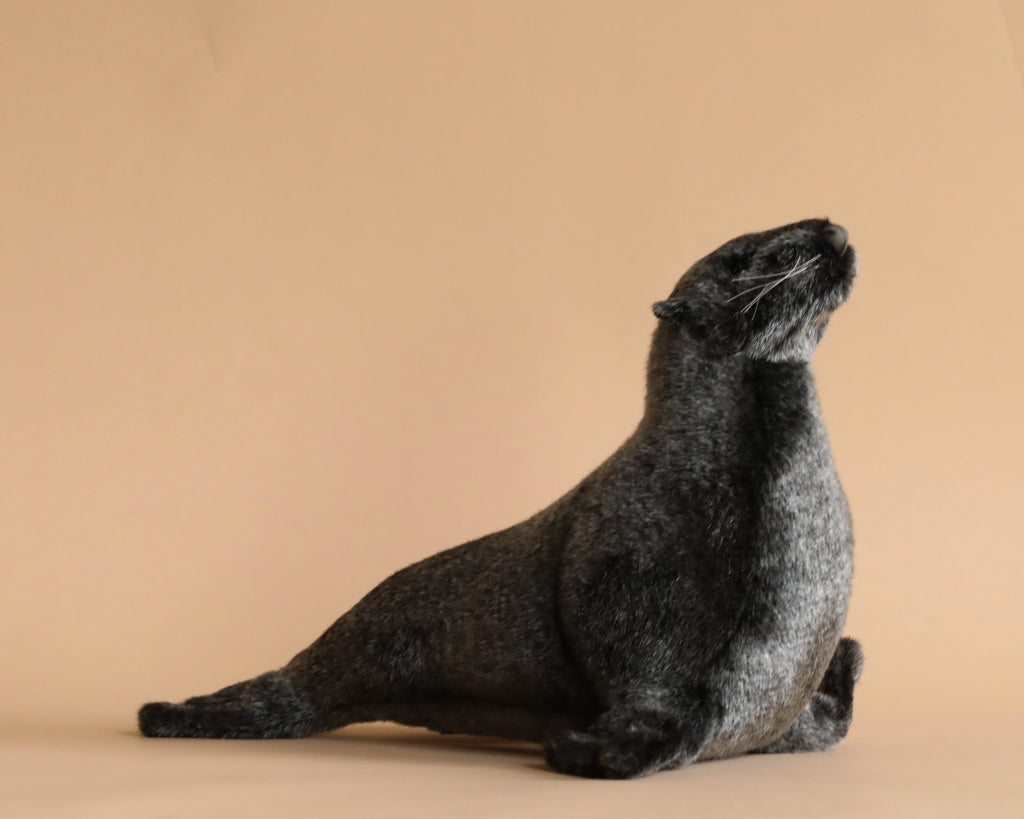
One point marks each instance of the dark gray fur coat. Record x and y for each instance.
(683, 602)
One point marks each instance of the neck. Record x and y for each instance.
(686, 385)
(691, 388)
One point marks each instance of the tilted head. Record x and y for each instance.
(766, 295)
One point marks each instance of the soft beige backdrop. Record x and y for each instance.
(296, 293)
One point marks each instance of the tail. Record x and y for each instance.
(265, 707)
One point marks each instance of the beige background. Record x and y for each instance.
(296, 293)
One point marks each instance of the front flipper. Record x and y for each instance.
(826, 718)
(630, 741)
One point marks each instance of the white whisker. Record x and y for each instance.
(797, 269)
(765, 276)
(750, 290)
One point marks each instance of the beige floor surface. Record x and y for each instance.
(905, 768)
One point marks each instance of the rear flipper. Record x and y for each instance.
(826, 718)
(632, 740)
(265, 707)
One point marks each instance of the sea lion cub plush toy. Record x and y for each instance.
(683, 602)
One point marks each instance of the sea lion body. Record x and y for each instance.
(684, 601)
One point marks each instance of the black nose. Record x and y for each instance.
(837, 237)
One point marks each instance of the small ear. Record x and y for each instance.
(672, 309)
(700, 323)
(681, 311)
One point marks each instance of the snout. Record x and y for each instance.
(837, 237)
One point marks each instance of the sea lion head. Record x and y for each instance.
(766, 295)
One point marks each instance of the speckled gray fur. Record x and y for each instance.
(683, 602)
